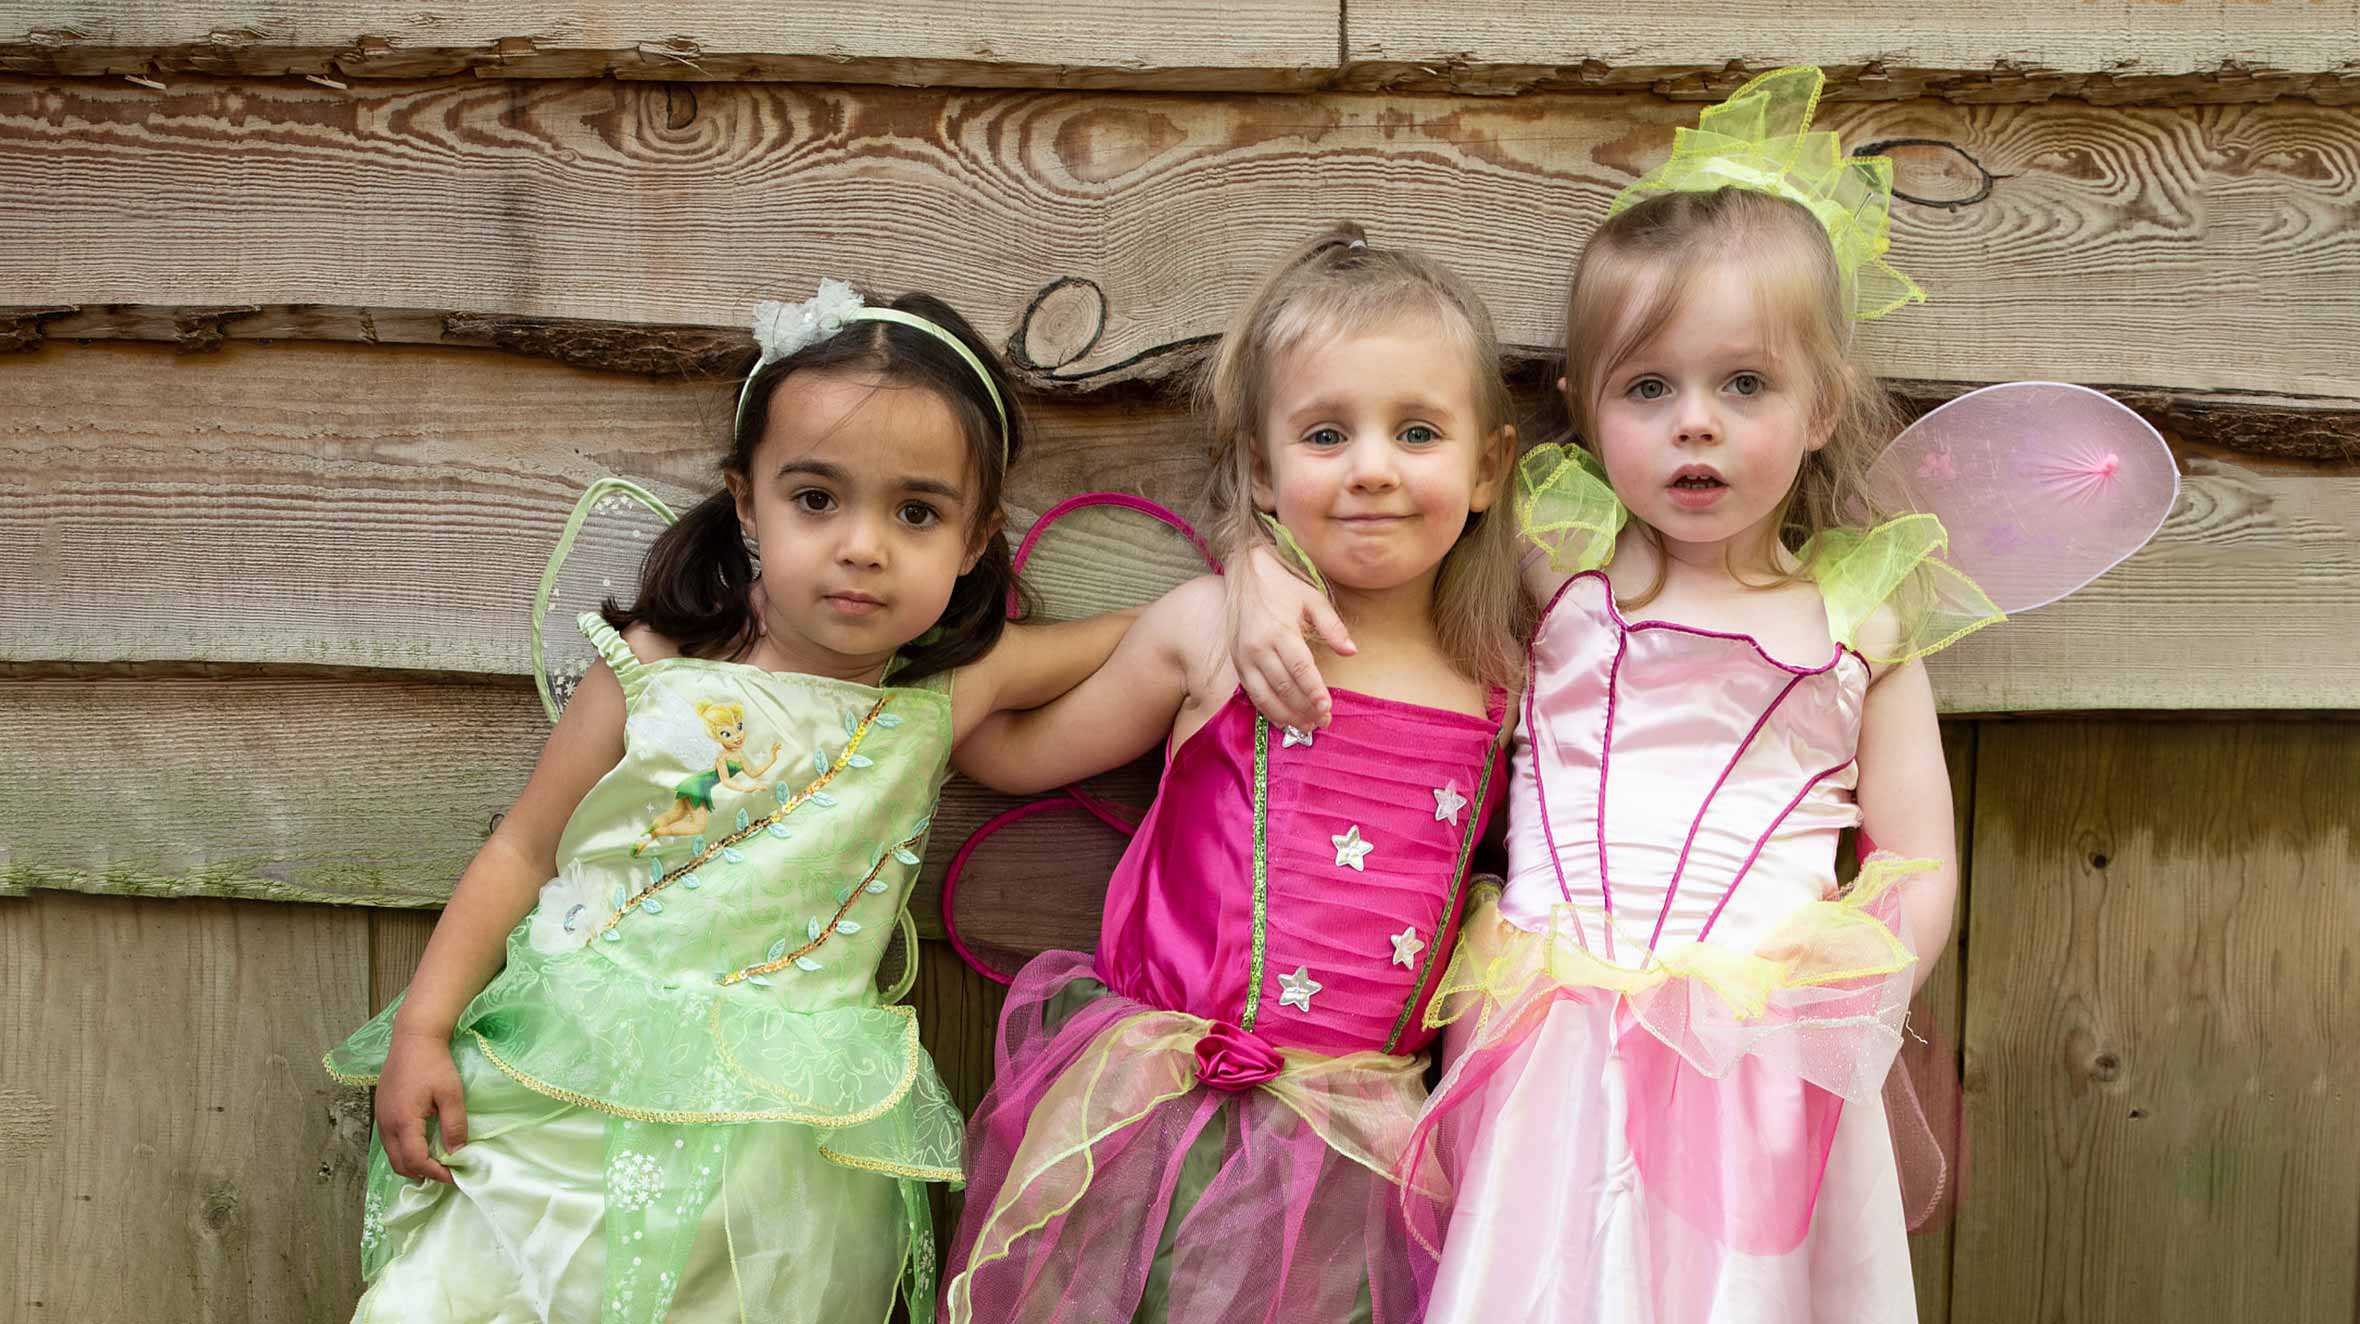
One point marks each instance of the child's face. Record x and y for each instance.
(1372, 454)
(1704, 428)
(863, 506)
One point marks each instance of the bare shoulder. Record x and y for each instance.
(647, 645)
(1879, 636)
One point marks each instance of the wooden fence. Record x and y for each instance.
(322, 313)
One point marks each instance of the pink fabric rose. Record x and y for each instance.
(1228, 1058)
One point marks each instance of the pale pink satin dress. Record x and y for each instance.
(1672, 785)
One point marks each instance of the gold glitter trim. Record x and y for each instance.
(706, 856)
(328, 1064)
(858, 889)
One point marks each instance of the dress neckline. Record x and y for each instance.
(1624, 626)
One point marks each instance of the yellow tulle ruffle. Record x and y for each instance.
(1761, 139)
(1849, 938)
(1361, 1105)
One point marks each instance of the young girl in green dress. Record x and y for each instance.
(644, 1071)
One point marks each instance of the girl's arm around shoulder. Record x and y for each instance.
(1114, 716)
(1904, 796)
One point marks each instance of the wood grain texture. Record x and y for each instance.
(173, 1150)
(2161, 979)
(369, 790)
(1935, 1021)
(2110, 51)
(1194, 44)
(2125, 50)
(2278, 427)
(2200, 249)
(392, 509)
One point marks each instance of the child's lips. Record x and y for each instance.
(854, 604)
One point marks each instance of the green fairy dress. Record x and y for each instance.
(687, 1098)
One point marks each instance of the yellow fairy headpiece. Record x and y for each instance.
(1761, 139)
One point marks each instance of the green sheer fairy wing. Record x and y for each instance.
(597, 557)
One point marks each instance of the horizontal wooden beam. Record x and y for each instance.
(2109, 51)
(368, 790)
(387, 508)
(2279, 427)
(2190, 251)
(2002, 50)
(1191, 45)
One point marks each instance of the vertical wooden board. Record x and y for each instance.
(169, 1147)
(959, 1022)
(1942, 999)
(397, 938)
(2161, 1099)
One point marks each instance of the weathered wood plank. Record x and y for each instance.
(2214, 50)
(392, 509)
(169, 1147)
(1996, 50)
(1191, 45)
(2282, 427)
(2162, 975)
(1936, 1018)
(360, 790)
(2248, 598)
(2103, 250)
(383, 508)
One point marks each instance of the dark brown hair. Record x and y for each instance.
(695, 586)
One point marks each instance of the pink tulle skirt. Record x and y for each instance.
(1132, 1162)
(1705, 1143)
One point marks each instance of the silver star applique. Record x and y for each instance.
(1297, 736)
(1406, 946)
(1351, 850)
(1447, 803)
(1295, 990)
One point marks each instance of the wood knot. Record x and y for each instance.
(1932, 172)
(221, 1206)
(2105, 1067)
(1061, 325)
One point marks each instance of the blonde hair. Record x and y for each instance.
(1642, 264)
(1338, 285)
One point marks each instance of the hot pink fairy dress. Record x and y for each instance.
(1669, 1043)
(1202, 1121)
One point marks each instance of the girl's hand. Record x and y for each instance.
(1272, 613)
(420, 1081)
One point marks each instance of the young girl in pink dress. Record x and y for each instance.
(1663, 1098)
(1202, 1120)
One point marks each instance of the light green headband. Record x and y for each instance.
(1761, 139)
(781, 329)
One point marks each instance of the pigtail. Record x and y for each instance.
(696, 585)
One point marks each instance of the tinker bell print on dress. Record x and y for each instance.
(1202, 1120)
(1670, 1030)
(645, 1070)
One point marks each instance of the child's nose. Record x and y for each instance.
(1373, 463)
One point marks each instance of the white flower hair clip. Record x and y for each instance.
(783, 329)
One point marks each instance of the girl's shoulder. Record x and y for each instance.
(647, 645)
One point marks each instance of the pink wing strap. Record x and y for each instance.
(1118, 817)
